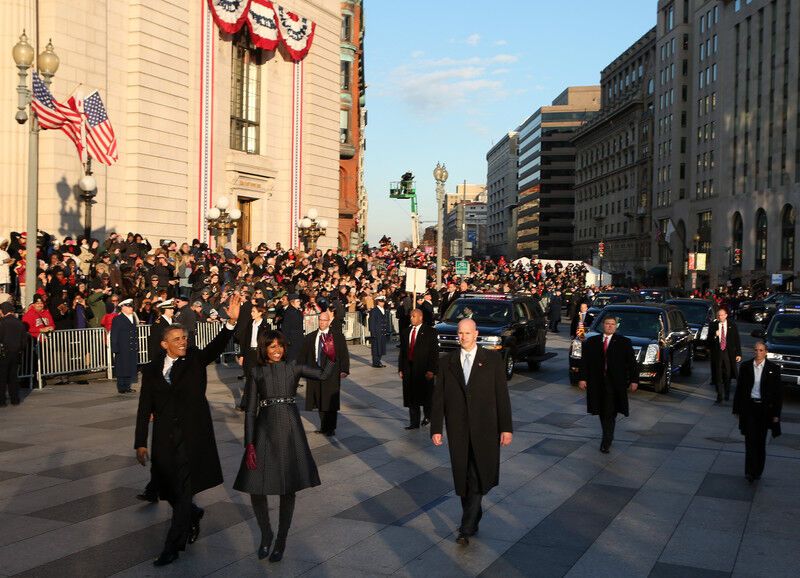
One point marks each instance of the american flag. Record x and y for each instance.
(100, 139)
(53, 114)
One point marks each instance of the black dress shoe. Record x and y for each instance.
(166, 557)
(412, 427)
(382, 365)
(145, 497)
(195, 531)
(425, 421)
(462, 539)
(330, 434)
(378, 365)
(277, 552)
(604, 448)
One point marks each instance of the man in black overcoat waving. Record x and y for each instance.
(185, 459)
(608, 367)
(418, 364)
(471, 396)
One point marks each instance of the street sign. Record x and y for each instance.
(700, 261)
(416, 280)
(462, 268)
(777, 278)
(691, 264)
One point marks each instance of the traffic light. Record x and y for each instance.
(737, 256)
(601, 248)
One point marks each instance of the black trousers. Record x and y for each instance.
(471, 502)
(327, 421)
(8, 379)
(261, 509)
(415, 413)
(724, 374)
(608, 413)
(756, 425)
(184, 512)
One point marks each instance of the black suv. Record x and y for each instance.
(760, 311)
(782, 337)
(514, 325)
(660, 294)
(699, 313)
(661, 341)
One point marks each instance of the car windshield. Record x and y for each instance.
(607, 299)
(633, 323)
(695, 313)
(785, 328)
(481, 312)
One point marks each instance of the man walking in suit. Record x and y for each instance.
(554, 312)
(608, 367)
(292, 327)
(471, 396)
(379, 325)
(185, 459)
(13, 337)
(757, 403)
(323, 395)
(726, 352)
(417, 364)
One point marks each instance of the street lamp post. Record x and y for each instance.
(223, 221)
(47, 64)
(440, 175)
(312, 228)
(88, 187)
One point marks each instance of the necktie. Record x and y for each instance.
(413, 342)
(321, 349)
(722, 340)
(168, 373)
(605, 349)
(467, 367)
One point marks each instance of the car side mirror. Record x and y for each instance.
(758, 333)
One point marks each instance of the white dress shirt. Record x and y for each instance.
(254, 333)
(755, 393)
(168, 363)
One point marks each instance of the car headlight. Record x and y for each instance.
(492, 339)
(704, 333)
(576, 349)
(774, 356)
(652, 354)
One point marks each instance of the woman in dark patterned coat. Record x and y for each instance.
(277, 459)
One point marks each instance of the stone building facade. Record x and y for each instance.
(198, 114)
(613, 168)
(501, 188)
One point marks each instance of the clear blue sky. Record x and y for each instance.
(447, 79)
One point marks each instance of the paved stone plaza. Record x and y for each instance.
(669, 500)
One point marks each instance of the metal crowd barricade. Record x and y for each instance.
(143, 333)
(26, 369)
(67, 351)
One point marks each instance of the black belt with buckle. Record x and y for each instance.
(275, 401)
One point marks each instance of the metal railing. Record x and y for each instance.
(73, 351)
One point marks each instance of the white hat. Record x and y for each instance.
(125, 302)
(168, 304)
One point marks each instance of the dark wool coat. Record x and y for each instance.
(292, 329)
(124, 346)
(622, 370)
(323, 395)
(417, 389)
(733, 348)
(771, 391)
(181, 404)
(379, 326)
(474, 413)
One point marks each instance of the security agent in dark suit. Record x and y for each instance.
(185, 458)
(13, 336)
(292, 327)
(757, 402)
(608, 367)
(726, 351)
(471, 395)
(418, 364)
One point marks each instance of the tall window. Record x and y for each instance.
(347, 27)
(787, 238)
(761, 240)
(245, 94)
(345, 72)
(344, 126)
(704, 230)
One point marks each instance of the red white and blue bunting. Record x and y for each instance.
(269, 24)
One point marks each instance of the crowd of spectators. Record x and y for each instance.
(80, 282)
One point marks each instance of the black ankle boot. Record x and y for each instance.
(277, 551)
(263, 549)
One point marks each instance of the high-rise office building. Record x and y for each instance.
(501, 188)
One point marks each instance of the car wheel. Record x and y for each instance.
(666, 378)
(509, 366)
(686, 368)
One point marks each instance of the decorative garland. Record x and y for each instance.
(269, 24)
